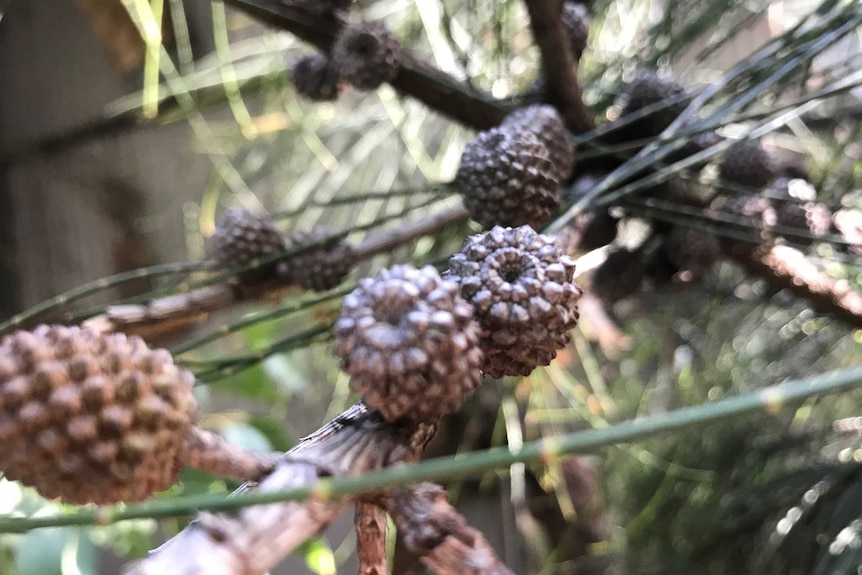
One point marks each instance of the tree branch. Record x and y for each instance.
(255, 538)
(167, 315)
(369, 520)
(559, 64)
(436, 89)
(431, 528)
(788, 268)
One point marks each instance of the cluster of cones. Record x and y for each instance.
(365, 55)
(512, 175)
(754, 199)
(245, 239)
(89, 416)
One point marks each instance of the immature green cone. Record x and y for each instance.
(507, 177)
(409, 343)
(366, 55)
(525, 299)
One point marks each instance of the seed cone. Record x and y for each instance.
(694, 252)
(597, 228)
(648, 89)
(90, 417)
(315, 77)
(619, 276)
(410, 343)
(658, 267)
(323, 266)
(746, 163)
(525, 300)
(241, 237)
(366, 55)
(507, 178)
(546, 124)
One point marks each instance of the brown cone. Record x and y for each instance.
(809, 220)
(746, 163)
(649, 89)
(753, 215)
(525, 299)
(315, 77)
(410, 344)
(90, 417)
(547, 125)
(619, 276)
(241, 237)
(693, 251)
(366, 54)
(323, 266)
(576, 22)
(506, 177)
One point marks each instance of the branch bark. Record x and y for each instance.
(787, 268)
(418, 79)
(434, 530)
(559, 64)
(256, 538)
(369, 519)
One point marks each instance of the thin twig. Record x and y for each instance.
(386, 241)
(766, 399)
(166, 315)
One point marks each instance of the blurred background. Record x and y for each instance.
(116, 158)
